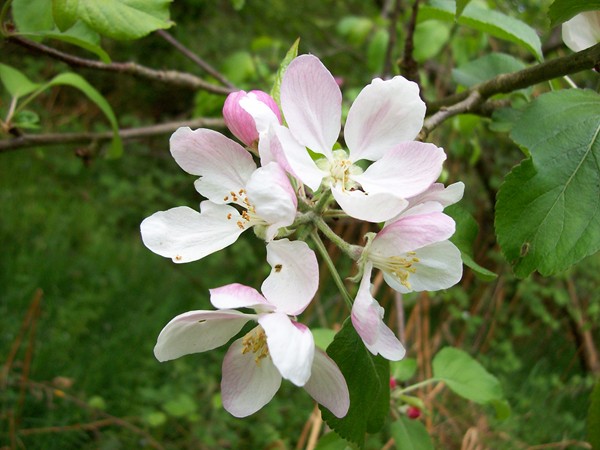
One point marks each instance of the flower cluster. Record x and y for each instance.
(304, 175)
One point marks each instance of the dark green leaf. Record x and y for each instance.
(16, 83)
(593, 418)
(485, 68)
(26, 120)
(289, 56)
(368, 379)
(464, 237)
(547, 212)
(487, 21)
(504, 119)
(410, 435)
(563, 10)
(465, 376)
(331, 441)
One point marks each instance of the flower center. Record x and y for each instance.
(248, 216)
(398, 266)
(256, 342)
(341, 169)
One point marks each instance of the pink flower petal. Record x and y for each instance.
(198, 331)
(367, 318)
(439, 267)
(185, 235)
(237, 295)
(291, 346)
(404, 171)
(327, 385)
(312, 104)
(294, 277)
(241, 122)
(412, 232)
(384, 114)
(247, 384)
(372, 208)
(223, 164)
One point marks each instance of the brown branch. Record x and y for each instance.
(393, 37)
(509, 82)
(172, 77)
(36, 140)
(408, 66)
(195, 58)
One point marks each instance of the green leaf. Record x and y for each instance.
(563, 10)
(75, 40)
(460, 7)
(355, 29)
(404, 369)
(323, 337)
(376, 50)
(332, 441)
(32, 15)
(487, 21)
(547, 209)
(410, 435)
(125, 19)
(289, 56)
(465, 376)
(466, 232)
(16, 83)
(78, 82)
(430, 37)
(26, 120)
(504, 119)
(64, 13)
(593, 418)
(368, 379)
(485, 68)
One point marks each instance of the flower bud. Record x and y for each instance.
(393, 383)
(413, 412)
(239, 122)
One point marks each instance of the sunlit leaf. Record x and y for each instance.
(547, 211)
(289, 56)
(488, 21)
(32, 15)
(16, 83)
(368, 379)
(410, 435)
(64, 13)
(465, 376)
(563, 10)
(404, 369)
(460, 6)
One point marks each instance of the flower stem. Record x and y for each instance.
(418, 385)
(334, 273)
(353, 251)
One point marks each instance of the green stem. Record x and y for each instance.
(353, 251)
(332, 269)
(418, 385)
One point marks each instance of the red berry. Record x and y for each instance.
(393, 383)
(413, 412)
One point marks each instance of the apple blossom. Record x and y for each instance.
(582, 31)
(381, 124)
(239, 122)
(279, 347)
(263, 198)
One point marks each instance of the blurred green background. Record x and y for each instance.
(69, 236)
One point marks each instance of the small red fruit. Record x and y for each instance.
(393, 383)
(413, 412)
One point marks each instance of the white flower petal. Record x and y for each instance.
(291, 346)
(327, 385)
(298, 158)
(367, 318)
(247, 384)
(582, 31)
(294, 277)
(372, 208)
(412, 232)
(237, 295)
(186, 235)
(198, 331)
(437, 192)
(312, 103)
(262, 114)
(404, 171)
(223, 164)
(439, 267)
(384, 114)
(272, 195)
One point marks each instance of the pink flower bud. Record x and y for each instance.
(413, 412)
(239, 122)
(393, 383)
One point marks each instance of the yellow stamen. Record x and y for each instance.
(256, 342)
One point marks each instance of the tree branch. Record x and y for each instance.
(408, 66)
(393, 37)
(172, 77)
(474, 99)
(35, 140)
(509, 82)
